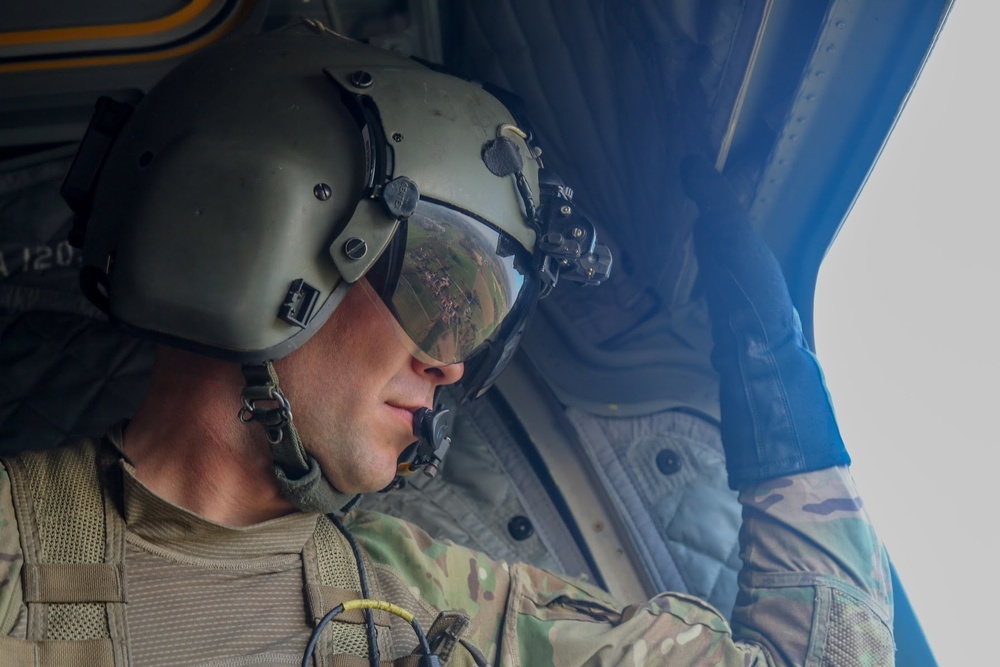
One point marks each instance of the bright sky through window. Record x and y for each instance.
(906, 329)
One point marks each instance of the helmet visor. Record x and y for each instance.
(450, 280)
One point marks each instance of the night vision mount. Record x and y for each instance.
(567, 239)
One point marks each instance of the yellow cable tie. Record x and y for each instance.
(363, 603)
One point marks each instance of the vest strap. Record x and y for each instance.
(74, 582)
(328, 582)
(91, 570)
(56, 653)
(446, 632)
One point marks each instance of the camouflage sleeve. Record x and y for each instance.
(815, 586)
(11, 559)
(814, 591)
(522, 615)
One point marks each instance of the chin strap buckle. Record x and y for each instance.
(264, 402)
(298, 474)
(262, 387)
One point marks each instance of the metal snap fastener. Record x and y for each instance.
(520, 528)
(668, 461)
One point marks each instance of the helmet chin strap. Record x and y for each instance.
(297, 472)
(299, 477)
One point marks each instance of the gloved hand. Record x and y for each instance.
(777, 418)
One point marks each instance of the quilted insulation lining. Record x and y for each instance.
(666, 476)
(486, 483)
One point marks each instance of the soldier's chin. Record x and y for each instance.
(368, 479)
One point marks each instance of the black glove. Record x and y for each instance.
(777, 418)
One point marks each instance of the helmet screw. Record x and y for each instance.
(565, 210)
(397, 137)
(355, 248)
(322, 191)
(577, 232)
(361, 79)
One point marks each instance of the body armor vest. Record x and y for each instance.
(74, 585)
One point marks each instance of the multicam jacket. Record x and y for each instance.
(814, 588)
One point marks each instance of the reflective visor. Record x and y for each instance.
(450, 280)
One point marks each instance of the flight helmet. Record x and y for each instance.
(230, 211)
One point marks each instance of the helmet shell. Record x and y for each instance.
(243, 170)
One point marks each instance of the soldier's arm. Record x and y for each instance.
(815, 584)
(814, 590)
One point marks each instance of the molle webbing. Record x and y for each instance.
(331, 577)
(73, 540)
(73, 577)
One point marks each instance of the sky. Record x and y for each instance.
(907, 336)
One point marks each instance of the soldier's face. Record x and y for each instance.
(353, 389)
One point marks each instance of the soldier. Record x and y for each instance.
(261, 214)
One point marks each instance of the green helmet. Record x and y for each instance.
(230, 211)
(266, 174)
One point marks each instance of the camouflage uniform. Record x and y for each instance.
(814, 590)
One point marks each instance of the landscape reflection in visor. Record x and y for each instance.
(458, 280)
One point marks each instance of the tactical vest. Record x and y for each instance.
(74, 586)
